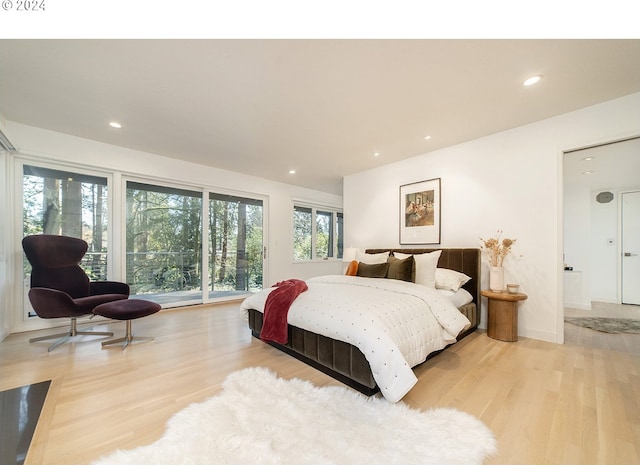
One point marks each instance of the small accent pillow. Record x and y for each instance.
(450, 279)
(426, 264)
(377, 270)
(352, 269)
(400, 269)
(372, 258)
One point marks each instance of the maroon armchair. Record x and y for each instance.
(60, 288)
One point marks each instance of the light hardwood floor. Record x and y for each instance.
(546, 403)
(624, 342)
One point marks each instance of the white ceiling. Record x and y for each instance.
(321, 107)
(608, 166)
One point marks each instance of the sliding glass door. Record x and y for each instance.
(236, 248)
(164, 243)
(165, 250)
(178, 248)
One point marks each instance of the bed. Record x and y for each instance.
(343, 358)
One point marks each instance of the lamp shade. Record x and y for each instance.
(349, 254)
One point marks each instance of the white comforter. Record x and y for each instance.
(396, 324)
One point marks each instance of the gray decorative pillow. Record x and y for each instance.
(379, 270)
(401, 269)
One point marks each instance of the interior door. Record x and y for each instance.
(631, 248)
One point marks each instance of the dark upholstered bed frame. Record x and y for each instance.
(345, 362)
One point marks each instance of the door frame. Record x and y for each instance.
(560, 225)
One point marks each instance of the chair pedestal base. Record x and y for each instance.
(128, 338)
(64, 337)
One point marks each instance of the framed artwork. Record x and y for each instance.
(420, 212)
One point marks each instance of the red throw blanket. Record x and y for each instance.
(276, 308)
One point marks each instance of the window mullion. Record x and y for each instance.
(336, 249)
(313, 234)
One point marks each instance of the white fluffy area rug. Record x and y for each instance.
(259, 418)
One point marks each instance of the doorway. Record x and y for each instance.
(597, 182)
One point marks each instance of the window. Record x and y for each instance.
(302, 233)
(317, 233)
(69, 204)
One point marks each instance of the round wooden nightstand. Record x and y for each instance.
(502, 318)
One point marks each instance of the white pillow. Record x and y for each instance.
(450, 279)
(458, 298)
(426, 264)
(372, 258)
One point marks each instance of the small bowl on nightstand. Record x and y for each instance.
(513, 288)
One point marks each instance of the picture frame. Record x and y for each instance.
(420, 212)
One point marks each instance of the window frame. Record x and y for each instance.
(336, 231)
(19, 163)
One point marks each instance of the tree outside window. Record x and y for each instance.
(69, 204)
(317, 233)
(164, 239)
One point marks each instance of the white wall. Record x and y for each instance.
(510, 181)
(53, 146)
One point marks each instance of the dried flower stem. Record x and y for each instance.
(497, 249)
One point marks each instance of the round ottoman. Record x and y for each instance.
(128, 309)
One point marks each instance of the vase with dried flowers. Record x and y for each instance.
(497, 249)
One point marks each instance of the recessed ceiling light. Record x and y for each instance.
(588, 172)
(587, 159)
(377, 154)
(532, 80)
(115, 124)
(427, 137)
(292, 171)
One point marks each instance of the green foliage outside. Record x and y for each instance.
(302, 234)
(163, 241)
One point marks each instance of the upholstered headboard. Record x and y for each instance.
(467, 261)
